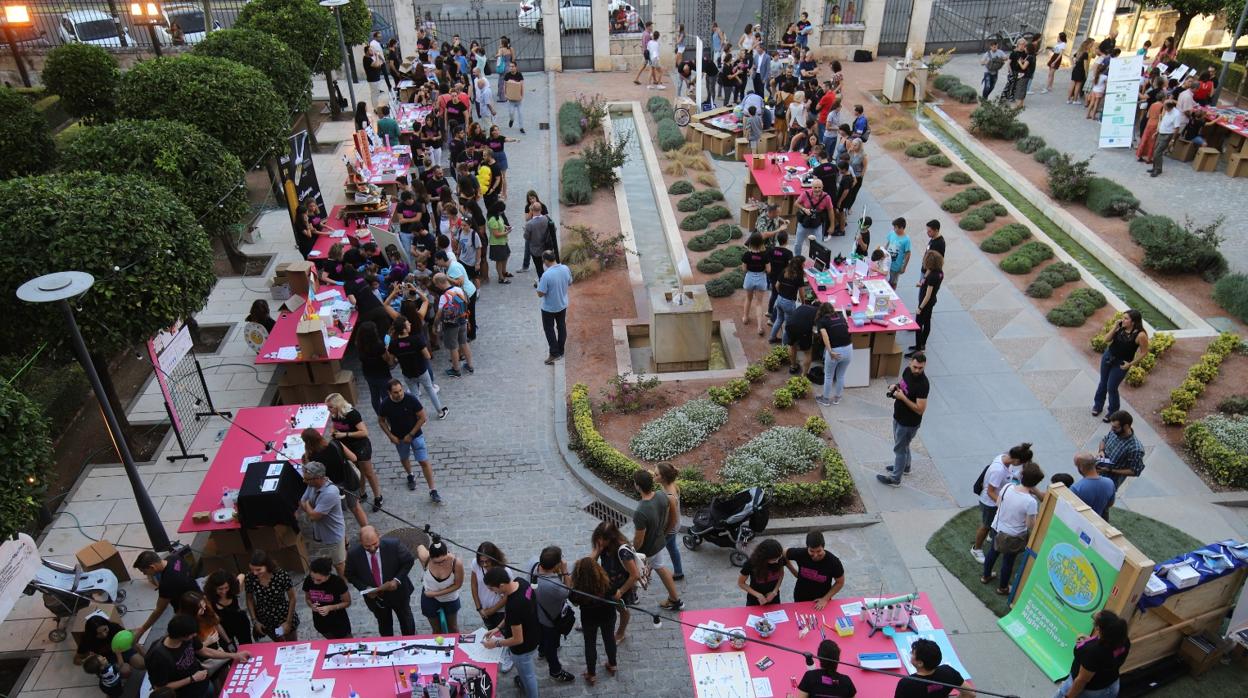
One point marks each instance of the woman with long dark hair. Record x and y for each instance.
(222, 591)
(271, 599)
(790, 282)
(762, 574)
(361, 115)
(826, 681)
(373, 359)
(1128, 344)
(620, 563)
(929, 286)
(838, 352)
(1098, 659)
(309, 223)
(590, 584)
(339, 462)
(489, 603)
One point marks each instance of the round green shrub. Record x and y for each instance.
(956, 203)
(695, 221)
(657, 102)
(1231, 292)
(193, 165)
(1030, 144)
(716, 213)
(1036, 251)
(728, 257)
(945, 82)
(574, 187)
(1039, 289)
(999, 210)
(964, 94)
(987, 212)
(26, 147)
(724, 285)
(958, 177)
(1087, 299)
(1064, 316)
(1109, 198)
(570, 122)
(290, 78)
(1017, 264)
(689, 204)
(85, 77)
(976, 195)
(229, 101)
(682, 186)
(708, 196)
(701, 243)
(303, 25)
(720, 234)
(670, 135)
(1014, 233)
(1065, 270)
(972, 221)
(995, 244)
(709, 266)
(939, 160)
(1017, 130)
(1044, 155)
(922, 149)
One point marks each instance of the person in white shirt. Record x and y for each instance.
(656, 63)
(1003, 470)
(1016, 516)
(1172, 120)
(1186, 100)
(485, 101)
(1055, 60)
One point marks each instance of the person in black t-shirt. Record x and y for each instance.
(778, 256)
(328, 597)
(173, 662)
(172, 578)
(929, 285)
(925, 656)
(825, 682)
(826, 171)
(1098, 658)
(761, 574)
(799, 328)
(909, 402)
(819, 573)
(519, 631)
(935, 241)
(862, 243)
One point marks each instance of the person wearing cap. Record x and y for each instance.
(322, 504)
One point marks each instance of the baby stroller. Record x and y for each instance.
(731, 522)
(67, 590)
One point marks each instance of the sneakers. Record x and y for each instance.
(978, 555)
(470, 368)
(883, 479)
(505, 663)
(890, 469)
(453, 372)
(437, 388)
(435, 497)
(411, 482)
(836, 400)
(550, 360)
(823, 402)
(445, 411)
(562, 677)
(671, 604)
(511, 122)
(377, 505)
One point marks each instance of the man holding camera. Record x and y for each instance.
(909, 403)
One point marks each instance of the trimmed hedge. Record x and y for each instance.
(1045, 155)
(922, 149)
(1157, 345)
(26, 146)
(86, 78)
(1030, 144)
(689, 204)
(1026, 258)
(679, 187)
(725, 232)
(945, 82)
(1199, 376)
(725, 284)
(701, 243)
(1004, 238)
(964, 94)
(670, 135)
(1231, 292)
(728, 257)
(1228, 466)
(939, 160)
(1109, 198)
(709, 266)
(695, 221)
(981, 217)
(958, 177)
(716, 213)
(574, 185)
(570, 122)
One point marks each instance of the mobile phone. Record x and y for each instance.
(764, 664)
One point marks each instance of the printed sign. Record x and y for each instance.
(298, 173)
(1122, 95)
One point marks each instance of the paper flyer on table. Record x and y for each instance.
(259, 685)
(753, 621)
(248, 461)
(290, 651)
(762, 687)
(287, 353)
(700, 633)
(851, 610)
(777, 617)
(311, 417)
(326, 295)
(947, 653)
(477, 651)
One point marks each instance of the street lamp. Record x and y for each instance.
(17, 16)
(151, 14)
(59, 288)
(336, 7)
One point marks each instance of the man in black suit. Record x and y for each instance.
(383, 564)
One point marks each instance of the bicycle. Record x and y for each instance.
(681, 114)
(1006, 39)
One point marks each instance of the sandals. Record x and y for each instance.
(610, 668)
(989, 578)
(589, 678)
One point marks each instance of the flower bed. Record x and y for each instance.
(1199, 376)
(680, 429)
(776, 453)
(1220, 444)
(833, 491)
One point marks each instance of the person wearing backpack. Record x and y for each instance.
(650, 524)
(993, 61)
(620, 562)
(453, 315)
(992, 479)
(1016, 516)
(340, 468)
(549, 576)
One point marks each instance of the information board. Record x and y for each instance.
(1122, 96)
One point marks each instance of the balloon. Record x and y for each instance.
(123, 641)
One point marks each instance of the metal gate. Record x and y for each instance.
(775, 17)
(895, 28)
(576, 33)
(697, 16)
(966, 25)
(489, 28)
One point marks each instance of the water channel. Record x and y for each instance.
(657, 269)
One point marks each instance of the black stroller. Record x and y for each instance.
(731, 523)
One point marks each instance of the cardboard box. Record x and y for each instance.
(860, 340)
(79, 625)
(1200, 652)
(312, 336)
(101, 555)
(232, 564)
(297, 277)
(225, 543)
(293, 558)
(513, 90)
(272, 537)
(889, 365)
(884, 343)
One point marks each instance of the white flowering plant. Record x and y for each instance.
(678, 430)
(772, 456)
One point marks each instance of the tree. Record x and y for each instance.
(151, 261)
(1188, 10)
(26, 451)
(303, 25)
(225, 99)
(193, 165)
(357, 22)
(290, 77)
(85, 77)
(26, 147)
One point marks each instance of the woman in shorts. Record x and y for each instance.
(755, 260)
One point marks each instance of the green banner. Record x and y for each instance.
(1070, 580)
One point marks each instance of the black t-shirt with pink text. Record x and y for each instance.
(335, 624)
(814, 578)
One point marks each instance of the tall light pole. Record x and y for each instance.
(59, 288)
(151, 14)
(335, 6)
(1226, 64)
(17, 16)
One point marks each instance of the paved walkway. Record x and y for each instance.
(1179, 193)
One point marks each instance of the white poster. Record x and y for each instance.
(1121, 96)
(19, 562)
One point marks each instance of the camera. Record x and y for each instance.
(892, 392)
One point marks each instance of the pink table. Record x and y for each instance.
(839, 296)
(267, 424)
(284, 333)
(772, 179)
(373, 682)
(789, 667)
(321, 247)
(389, 165)
(411, 117)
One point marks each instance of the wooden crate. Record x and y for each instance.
(1206, 160)
(1237, 166)
(1159, 632)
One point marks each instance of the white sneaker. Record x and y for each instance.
(505, 664)
(978, 555)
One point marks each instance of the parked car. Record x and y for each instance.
(574, 15)
(91, 27)
(189, 18)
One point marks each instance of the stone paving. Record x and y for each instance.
(1180, 191)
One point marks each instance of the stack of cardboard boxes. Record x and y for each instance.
(885, 355)
(231, 550)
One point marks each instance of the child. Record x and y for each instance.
(754, 129)
(106, 673)
(862, 244)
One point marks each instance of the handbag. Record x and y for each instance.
(1005, 543)
(815, 218)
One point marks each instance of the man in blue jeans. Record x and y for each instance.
(520, 630)
(909, 403)
(401, 418)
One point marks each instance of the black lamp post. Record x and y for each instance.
(17, 16)
(152, 15)
(335, 6)
(59, 288)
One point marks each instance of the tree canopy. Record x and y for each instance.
(26, 147)
(85, 77)
(303, 25)
(291, 79)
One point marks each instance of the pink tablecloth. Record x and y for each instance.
(1235, 121)
(839, 296)
(411, 117)
(335, 223)
(265, 424)
(789, 667)
(284, 332)
(376, 682)
(773, 179)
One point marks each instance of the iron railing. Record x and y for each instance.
(108, 23)
(966, 25)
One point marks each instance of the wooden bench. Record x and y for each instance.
(1206, 159)
(1237, 165)
(743, 148)
(1182, 150)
